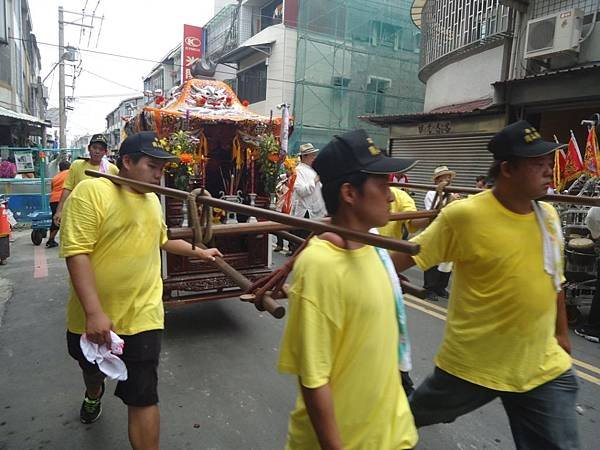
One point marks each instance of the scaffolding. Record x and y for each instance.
(354, 58)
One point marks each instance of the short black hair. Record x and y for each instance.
(479, 178)
(64, 165)
(331, 190)
(135, 157)
(494, 170)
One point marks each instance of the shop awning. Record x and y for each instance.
(257, 43)
(22, 117)
(458, 110)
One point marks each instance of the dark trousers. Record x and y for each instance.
(542, 418)
(434, 280)
(300, 233)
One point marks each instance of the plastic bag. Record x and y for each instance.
(592, 221)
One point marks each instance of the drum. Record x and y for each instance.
(581, 245)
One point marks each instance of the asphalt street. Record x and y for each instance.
(219, 388)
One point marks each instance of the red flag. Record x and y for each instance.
(591, 153)
(560, 160)
(573, 164)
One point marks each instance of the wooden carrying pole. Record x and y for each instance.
(276, 227)
(314, 226)
(554, 198)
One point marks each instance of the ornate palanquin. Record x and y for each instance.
(228, 134)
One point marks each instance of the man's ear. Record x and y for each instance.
(126, 162)
(506, 169)
(347, 194)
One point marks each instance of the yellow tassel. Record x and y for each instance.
(237, 152)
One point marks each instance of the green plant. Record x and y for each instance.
(183, 145)
(270, 160)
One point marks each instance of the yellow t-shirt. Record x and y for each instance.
(502, 309)
(122, 233)
(77, 172)
(342, 330)
(403, 202)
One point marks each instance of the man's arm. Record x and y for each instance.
(184, 248)
(562, 327)
(304, 185)
(319, 405)
(61, 203)
(97, 323)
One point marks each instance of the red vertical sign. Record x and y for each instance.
(191, 50)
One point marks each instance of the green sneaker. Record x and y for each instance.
(91, 408)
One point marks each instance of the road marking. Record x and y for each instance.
(587, 377)
(40, 263)
(432, 310)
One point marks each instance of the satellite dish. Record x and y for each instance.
(204, 68)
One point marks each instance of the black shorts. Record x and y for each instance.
(140, 354)
(53, 207)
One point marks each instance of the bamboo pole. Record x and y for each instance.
(554, 198)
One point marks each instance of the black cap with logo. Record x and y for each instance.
(144, 142)
(99, 139)
(353, 152)
(520, 140)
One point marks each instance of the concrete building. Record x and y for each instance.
(330, 62)
(23, 99)
(81, 142)
(487, 63)
(116, 119)
(164, 75)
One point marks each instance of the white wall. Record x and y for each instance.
(466, 80)
(281, 68)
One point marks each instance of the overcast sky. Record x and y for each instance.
(146, 29)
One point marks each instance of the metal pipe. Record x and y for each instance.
(316, 227)
(555, 198)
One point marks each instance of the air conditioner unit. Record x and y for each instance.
(554, 34)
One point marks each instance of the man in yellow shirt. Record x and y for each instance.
(506, 335)
(97, 148)
(344, 337)
(111, 238)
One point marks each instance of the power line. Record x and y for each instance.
(279, 80)
(116, 83)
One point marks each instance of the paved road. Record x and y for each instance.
(218, 384)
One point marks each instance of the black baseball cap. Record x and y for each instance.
(99, 139)
(353, 152)
(144, 142)
(520, 140)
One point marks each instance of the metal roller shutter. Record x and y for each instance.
(467, 155)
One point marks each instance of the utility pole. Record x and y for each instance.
(62, 114)
(62, 55)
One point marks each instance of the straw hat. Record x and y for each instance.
(307, 149)
(443, 170)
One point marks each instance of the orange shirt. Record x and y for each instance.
(57, 186)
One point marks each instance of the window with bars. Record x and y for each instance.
(252, 84)
(450, 25)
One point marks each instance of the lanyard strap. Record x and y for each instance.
(404, 353)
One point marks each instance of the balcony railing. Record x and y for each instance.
(450, 26)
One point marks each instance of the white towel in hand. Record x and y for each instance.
(106, 358)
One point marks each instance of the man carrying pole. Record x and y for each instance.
(506, 335)
(346, 333)
(111, 238)
(97, 148)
